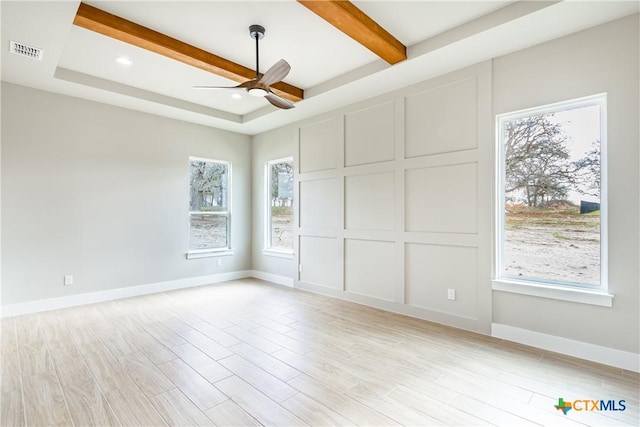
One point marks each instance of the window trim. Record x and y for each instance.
(266, 247)
(582, 293)
(564, 293)
(212, 252)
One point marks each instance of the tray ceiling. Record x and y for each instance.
(332, 68)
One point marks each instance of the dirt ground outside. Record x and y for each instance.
(282, 228)
(210, 231)
(552, 244)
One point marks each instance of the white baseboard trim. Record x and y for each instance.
(443, 318)
(11, 310)
(593, 352)
(274, 278)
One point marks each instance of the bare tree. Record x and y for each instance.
(281, 175)
(537, 158)
(589, 167)
(208, 183)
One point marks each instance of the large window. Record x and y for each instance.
(279, 209)
(209, 205)
(551, 204)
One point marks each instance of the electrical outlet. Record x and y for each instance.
(68, 280)
(451, 294)
(219, 262)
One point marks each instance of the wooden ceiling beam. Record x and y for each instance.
(346, 17)
(113, 26)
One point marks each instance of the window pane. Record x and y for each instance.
(281, 206)
(208, 186)
(552, 197)
(208, 231)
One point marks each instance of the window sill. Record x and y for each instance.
(209, 253)
(584, 296)
(276, 253)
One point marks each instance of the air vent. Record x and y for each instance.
(25, 50)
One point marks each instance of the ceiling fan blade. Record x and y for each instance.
(276, 73)
(279, 102)
(243, 85)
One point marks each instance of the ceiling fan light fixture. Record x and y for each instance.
(258, 92)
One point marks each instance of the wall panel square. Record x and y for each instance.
(442, 199)
(319, 257)
(370, 135)
(319, 146)
(319, 204)
(370, 201)
(431, 269)
(442, 119)
(368, 268)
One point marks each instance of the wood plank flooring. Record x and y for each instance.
(249, 353)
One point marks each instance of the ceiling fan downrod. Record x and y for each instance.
(257, 32)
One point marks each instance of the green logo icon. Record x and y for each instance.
(563, 406)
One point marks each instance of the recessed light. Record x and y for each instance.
(236, 96)
(123, 60)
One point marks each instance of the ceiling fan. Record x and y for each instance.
(260, 86)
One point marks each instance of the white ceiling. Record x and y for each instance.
(333, 69)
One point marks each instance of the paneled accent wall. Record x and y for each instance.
(391, 196)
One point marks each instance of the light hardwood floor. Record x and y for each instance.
(249, 353)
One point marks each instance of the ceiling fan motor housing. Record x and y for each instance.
(256, 31)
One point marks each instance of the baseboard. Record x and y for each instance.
(274, 278)
(10, 310)
(595, 353)
(449, 319)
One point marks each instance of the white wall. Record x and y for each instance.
(601, 59)
(393, 193)
(101, 193)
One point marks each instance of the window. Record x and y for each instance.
(552, 195)
(209, 205)
(279, 209)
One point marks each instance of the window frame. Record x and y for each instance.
(583, 293)
(267, 248)
(211, 252)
